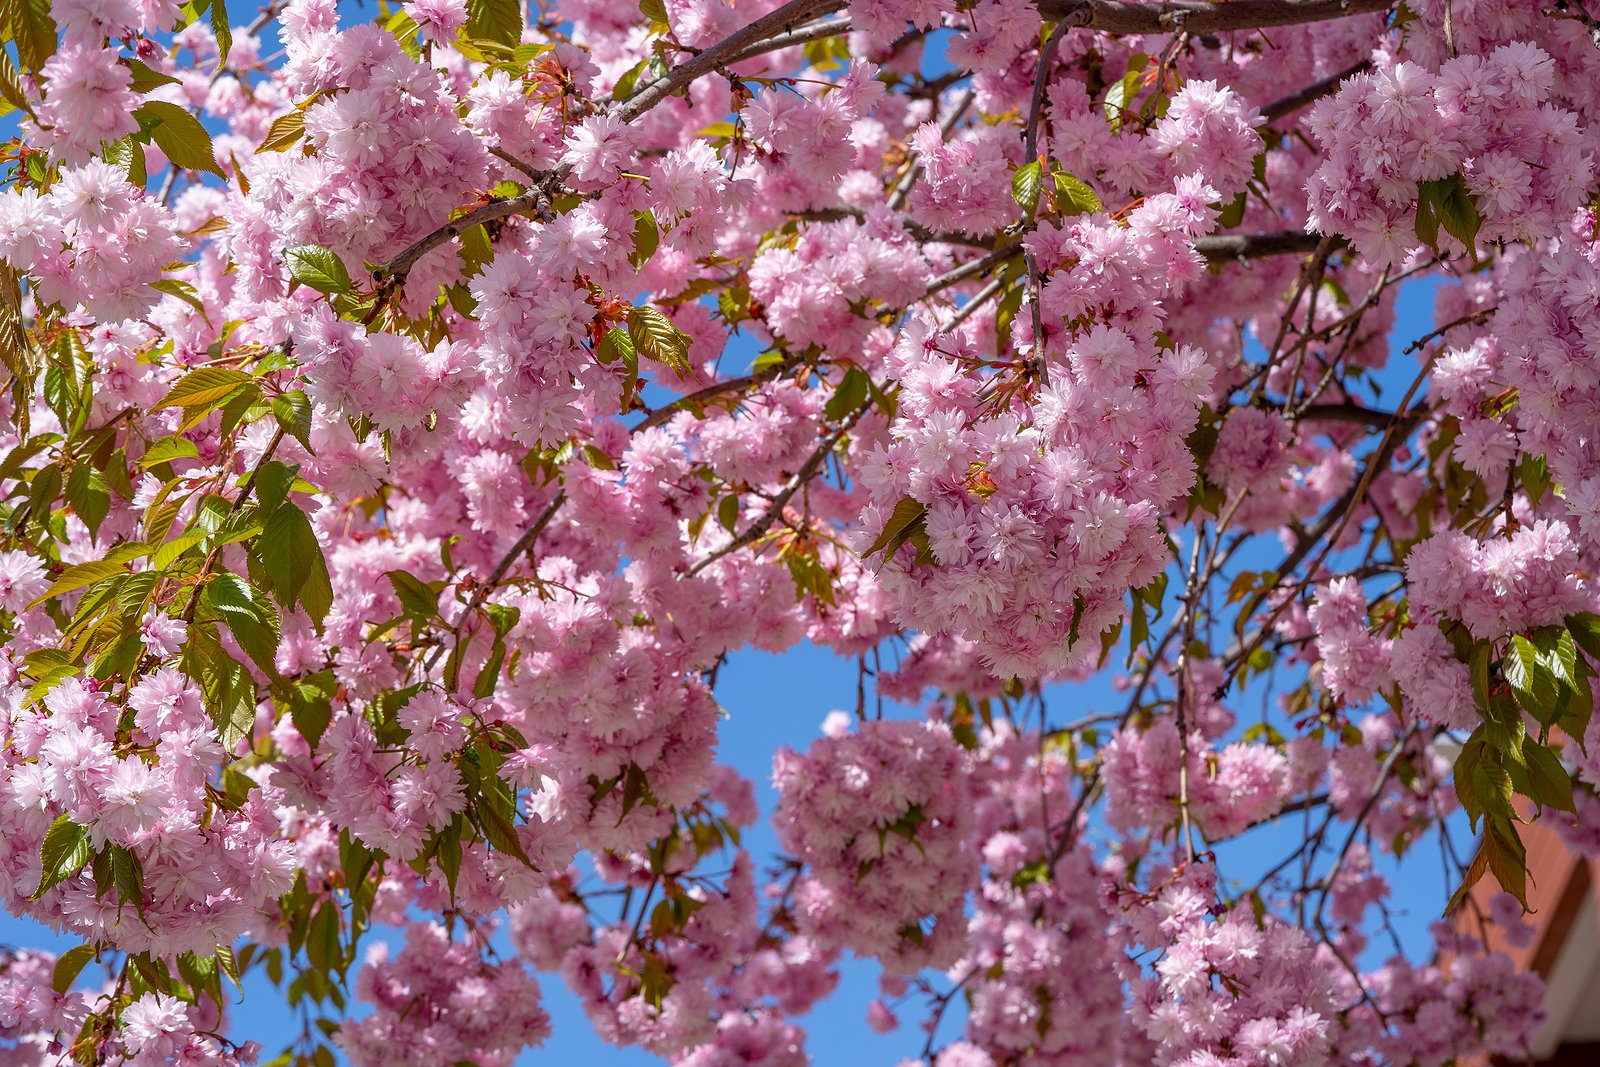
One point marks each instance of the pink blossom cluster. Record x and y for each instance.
(31, 1011)
(1227, 788)
(880, 817)
(810, 291)
(731, 981)
(390, 155)
(1040, 931)
(1468, 1004)
(1028, 513)
(438, 1001)
(159, 1028)
(1545, 328)
(1355, 662)
(1487, 118)
(1230, 992)
(207, 871)
(93, 244)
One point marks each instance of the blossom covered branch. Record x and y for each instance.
(409, 419)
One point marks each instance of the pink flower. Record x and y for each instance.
(22, 580)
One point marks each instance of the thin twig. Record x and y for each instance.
(781, 499)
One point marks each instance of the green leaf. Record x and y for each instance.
(1479, 668)
(907, 515)
(1465, 775)
(656, 337)
(502, 617)
(416, 598)
(200, 973)
(145, 79)
(1535, 474)
(499, 21)
(1585, 629)
(615, 344)
(127, 874)
(223, 31)
(1508, 860)
(65, 852)
(291, 560)
(273, 481)
(405, 30)
(81, 575)
(1073, 197)
(1530, 677)
(167, 449)
(127, 155)
(1454, 207)
(646, 238)
(629, 81)
(284, 133)
(228, 965)
(204, 388)
(183, 291)
(1026, 184)
(88, 496)
(449, 853)
(322, 939)
(11, 90)
(293, 412)
(69, 965)
(1557, 651)
(319, 268)
(34, 31)
(1121, 93)
(310, 709)
(728, 512)
(500, 832)
(173, 550)
(179, 134)
(489, 675)
(1427, 224)
(851, 394)
(1552, 785)
(1232, 213)
(1474, 874)
(1492, 787)
(249, 616)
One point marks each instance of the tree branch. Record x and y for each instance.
(786, 20)
(665, 412)
(1288, 105)
(1352, 413)
(534, 202)
(781, 500)
(817, 31)
(1197, 16)
(1223, 248)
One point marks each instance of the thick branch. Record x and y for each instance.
(805, 34)
(1196, 16)
(1288, 105)
(1351, 413)
(1222, 248)
(788, 18)
(535, 202)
